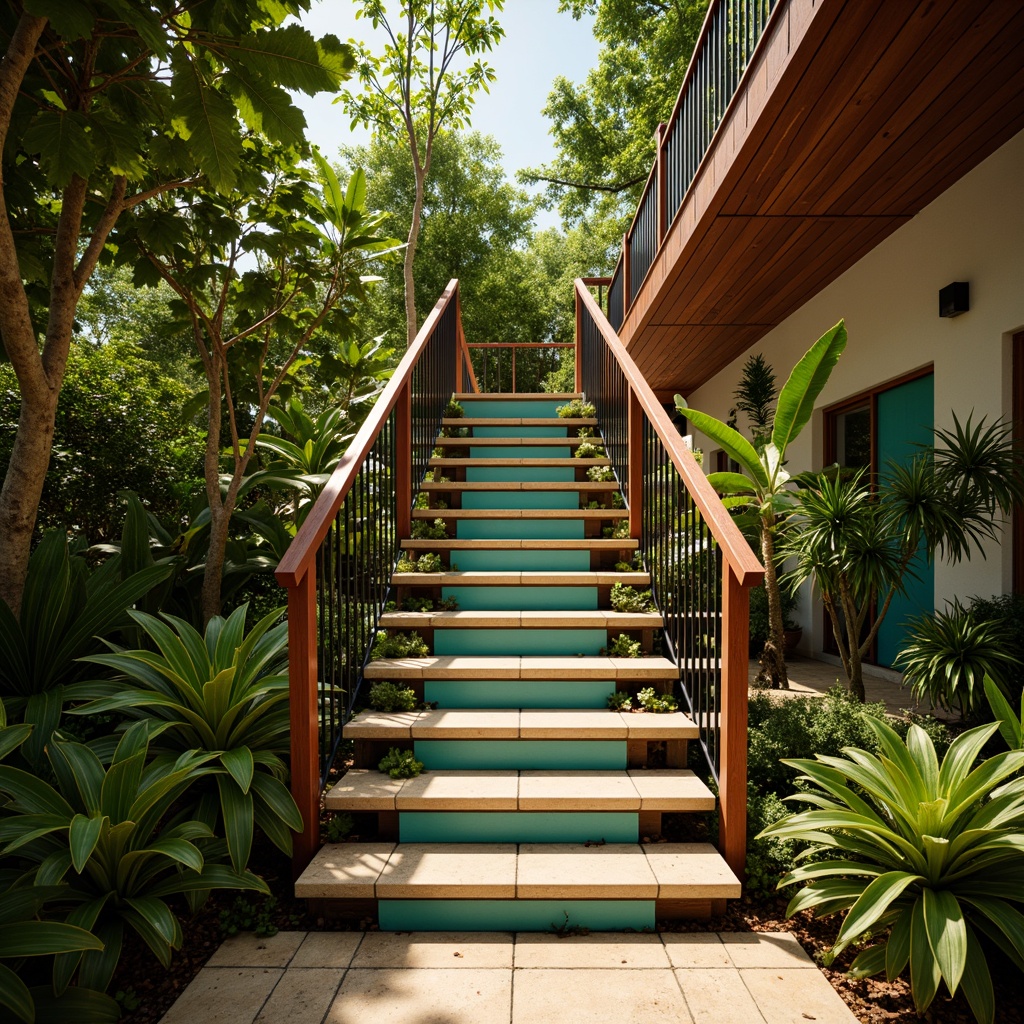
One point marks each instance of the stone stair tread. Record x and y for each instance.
(515, 544)
(465, 619)
(520, 421)
(520, 513)
(512, 442)
(516, 723)
(463, 666)
(569, 578)
(564, 871)
(518, 486)
(363, 789)
(462, 463)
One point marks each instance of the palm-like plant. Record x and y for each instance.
(925, 859)
(225, 694)
(760, 490)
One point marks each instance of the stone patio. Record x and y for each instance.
(505, 978)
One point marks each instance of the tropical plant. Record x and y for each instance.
(577, 409)
(631, 599)
(858, 543)
(755, 394)
(387, 697)
(589, 450)
(623, 647)
(399, 645)
(400, 764)
(657, 703)
(947, 656)
(760, 490)
(1011, 725)
(924, 858)
(65, 607)
(224, 694)
(107, 836)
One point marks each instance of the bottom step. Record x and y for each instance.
(483, 886)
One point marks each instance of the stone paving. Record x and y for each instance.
(505, 978)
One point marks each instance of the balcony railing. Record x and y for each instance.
(701, 567)
(338, 568)
(728, 39)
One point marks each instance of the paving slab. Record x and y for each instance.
(716, 996)
(604, 950)
(433, 950)
(327, 949)
(584, 996)
(249, 950)
(696, 950)
(396, 996)
(302, 996)
(224, 995)
(795, 996)
(765, 949)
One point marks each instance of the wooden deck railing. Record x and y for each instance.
(338, 568)
(701, 567)
(727, 42)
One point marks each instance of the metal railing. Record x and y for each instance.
(728, 40)
(500, 363)
(338, 568)
(701, 567)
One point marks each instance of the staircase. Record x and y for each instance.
(537, 801)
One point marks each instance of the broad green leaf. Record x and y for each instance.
(153, 920)
(63, 144)
(76, 1004)
(809, 376)
(1011, 728)
(265, 107)
(731, 483)
(874, 904)
(868, 962)
(239, 764)
(924, 968)
(947, 933)
(897, 949)
(43, 938)
(70, 19)
(237, 811)
(977, 982)
(214, 876)
(277, 797)
(83, 836)
(735, 445)
(98, 966)
(1006, 918)
(289, 56)
(12, 737)
(14, 994)
(33, 794)
(42, 712)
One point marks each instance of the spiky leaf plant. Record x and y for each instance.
(924, 859)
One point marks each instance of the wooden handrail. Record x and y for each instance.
(297, 559)
(748, 570)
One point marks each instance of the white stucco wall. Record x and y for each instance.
(973, 232)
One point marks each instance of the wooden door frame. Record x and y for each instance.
(1017, 541)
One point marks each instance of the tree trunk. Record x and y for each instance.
(219, 518)
(773, 658)
(856, 680)
(411, 325)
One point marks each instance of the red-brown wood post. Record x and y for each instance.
(661, 184)
(627, 300)
(732, 774)
(303, 716)
(635, 484)
(403, 462)
(578, 353)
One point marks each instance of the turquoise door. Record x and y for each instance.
(905, 418)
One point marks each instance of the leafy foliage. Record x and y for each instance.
(929, 858)
(755, 395)
(388, 697)
(589, 450)
(631, 599)
(400, 764)
(577, 409)
(422, 530)
(620, 700)
(623, 647)
(657, 703)
(399, 645)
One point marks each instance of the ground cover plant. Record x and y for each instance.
(400, 764)
(387, 697)
(399, 645)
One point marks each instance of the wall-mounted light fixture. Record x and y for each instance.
(955, 298)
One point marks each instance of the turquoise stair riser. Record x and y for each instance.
(519, 529)
(517, 827)
(518, 693)
(511, 599)
(530, 642)
(575, 755)
(519, 452)
(521, 499)
(515, 916)
(552, 431)
(518, 560)
(520, 408)
(520, 474)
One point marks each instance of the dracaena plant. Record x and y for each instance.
(225, 694)
(760, 491)
(925, 859)
(108, 838)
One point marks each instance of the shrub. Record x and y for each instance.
(399, 645)
(589, 450)
(620, 701)
(417, 604)
(422, 530)
(930, 858)
(429, 562)
(387, 697)
(625, 598)
(657, 703)
(400, 764)
(623, 647)
(563, 380)
(577, 409)
(636, 565)
(619, 531)
(601, 474)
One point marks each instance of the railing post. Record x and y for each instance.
(662, 198)
(732, 790)
(627, 293)
(579, 345)
(635, 484)
(303, 716)
(403, 462)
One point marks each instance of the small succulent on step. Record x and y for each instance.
(387, 697)
(625, 598)
(448, 604)
(620, 701)
(657, 703)
(577, 409)
(622, 647)
(399, 645)
(589, 450)
(601, 474)
(400, 764)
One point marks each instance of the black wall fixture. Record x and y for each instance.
(955, 298)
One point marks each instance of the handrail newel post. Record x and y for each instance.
(627, 283)
(732, 793)
(578, 352)
(660, 136)
(403, 461)
(635, 483)
(303, 716)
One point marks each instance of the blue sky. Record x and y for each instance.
(539, 44)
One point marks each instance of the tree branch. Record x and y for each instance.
(585, 185)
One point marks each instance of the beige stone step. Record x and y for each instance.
(591, 619)
(445, 463)
(512, 442)
(663, 789)
(520, 513)
(514, 544)
(513, 723)
(521, 579)
(433, 486)
(462, 666)
(502, 871)
(520, 421)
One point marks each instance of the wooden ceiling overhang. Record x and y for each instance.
(853, 116)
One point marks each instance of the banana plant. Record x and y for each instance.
(760, 490)
(106, 836)
(925, 859)
(224, 694)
